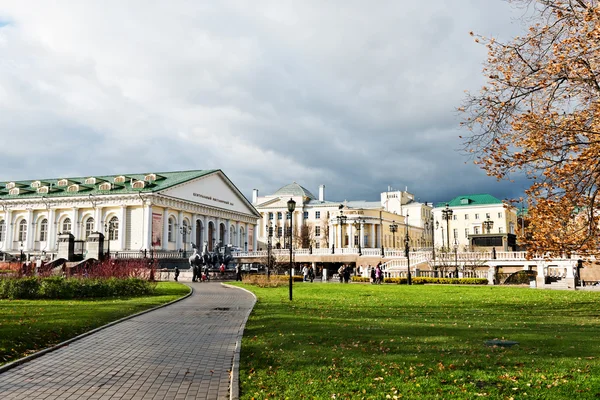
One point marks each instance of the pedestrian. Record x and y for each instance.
(238, 273)
(176, 273)
(305, 273)
(373, 276)
(311, 273)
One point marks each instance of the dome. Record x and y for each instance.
(293, 189)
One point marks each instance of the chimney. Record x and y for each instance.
(254, 196)
(321, 192)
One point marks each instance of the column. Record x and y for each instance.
(178, 238)
(123, 228)
(76, 225)
(30, 231)
(52, 229)
(165, 234)
(8, 241)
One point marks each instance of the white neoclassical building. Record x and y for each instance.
(153, 211)
(477, 220)
(370, 224)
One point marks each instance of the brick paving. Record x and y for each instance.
(182, 351)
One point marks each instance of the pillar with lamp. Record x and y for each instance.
(447, 216)
(407, 254)
(185, 230)
(393, 229)
(341, 220)
(291, 204)
(358, 226)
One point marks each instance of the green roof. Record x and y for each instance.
(471, 200)
(163, 181)
(293, 189)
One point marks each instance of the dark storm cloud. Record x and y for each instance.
(354, 95)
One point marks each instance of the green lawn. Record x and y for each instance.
(375, 342)
(27, 326)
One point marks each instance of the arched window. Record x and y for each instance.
(2, 229)
(44, 230)
(113, 232)
(22, 230)
(66, 225)
(89, 227)
(171, 233)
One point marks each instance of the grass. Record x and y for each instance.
(376, 342)
(27, 326)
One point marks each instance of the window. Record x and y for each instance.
(500, 230)
(279, 215)
(113, 232)
(317, 214)
(270, 216)
(466, 216)
(305, 214)
(317, 231)
(466, 232)
(476, 216)
(171, 230)
(476, 229)
(487, 215)
(89, 227)
(499, 215)
(44, 230)
(66, 225)
(2, 229)
(22, 230)
(455, 233)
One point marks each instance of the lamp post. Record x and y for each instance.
(108, 228)
(357, 226)
(394, 229)
(407, 254)
(269, 244)
(488, 225)
(341, 222)
(291, 207)
(456, 258)
(185, 230)
(447, 216)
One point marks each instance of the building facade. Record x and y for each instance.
(320, 223)
(154, 211)
(478, 220)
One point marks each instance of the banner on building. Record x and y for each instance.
(157, 226)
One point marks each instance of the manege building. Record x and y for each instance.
(136, 212)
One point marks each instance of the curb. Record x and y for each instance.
(40, 353)
(234, 386)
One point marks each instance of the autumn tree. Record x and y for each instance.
(539, 114)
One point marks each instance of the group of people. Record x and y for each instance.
(308, 273)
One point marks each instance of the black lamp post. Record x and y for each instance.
(357, 226)
(407, 254)
(341, 219)
(108, 228)
(291, 207)
(394, 229)
(185, 230)
(269, 244)
(488, 225)
(447, 216)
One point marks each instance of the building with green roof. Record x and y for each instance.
(161, 211)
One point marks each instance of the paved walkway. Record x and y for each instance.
(182, 351)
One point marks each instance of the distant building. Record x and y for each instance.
(316, 221)
(471, 217)
(135, 211)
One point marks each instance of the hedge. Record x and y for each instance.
(424, 280)
(72, 288)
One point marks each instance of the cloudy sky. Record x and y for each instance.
(356, 95)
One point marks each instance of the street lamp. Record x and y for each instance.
(456, 257)
(357, 226)
(394, 229)
(488, 225)
(185, 230)
(447, 216)
(341, 222)
(291, 207)
(407, 254)
(269, 244)
(109, 229)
